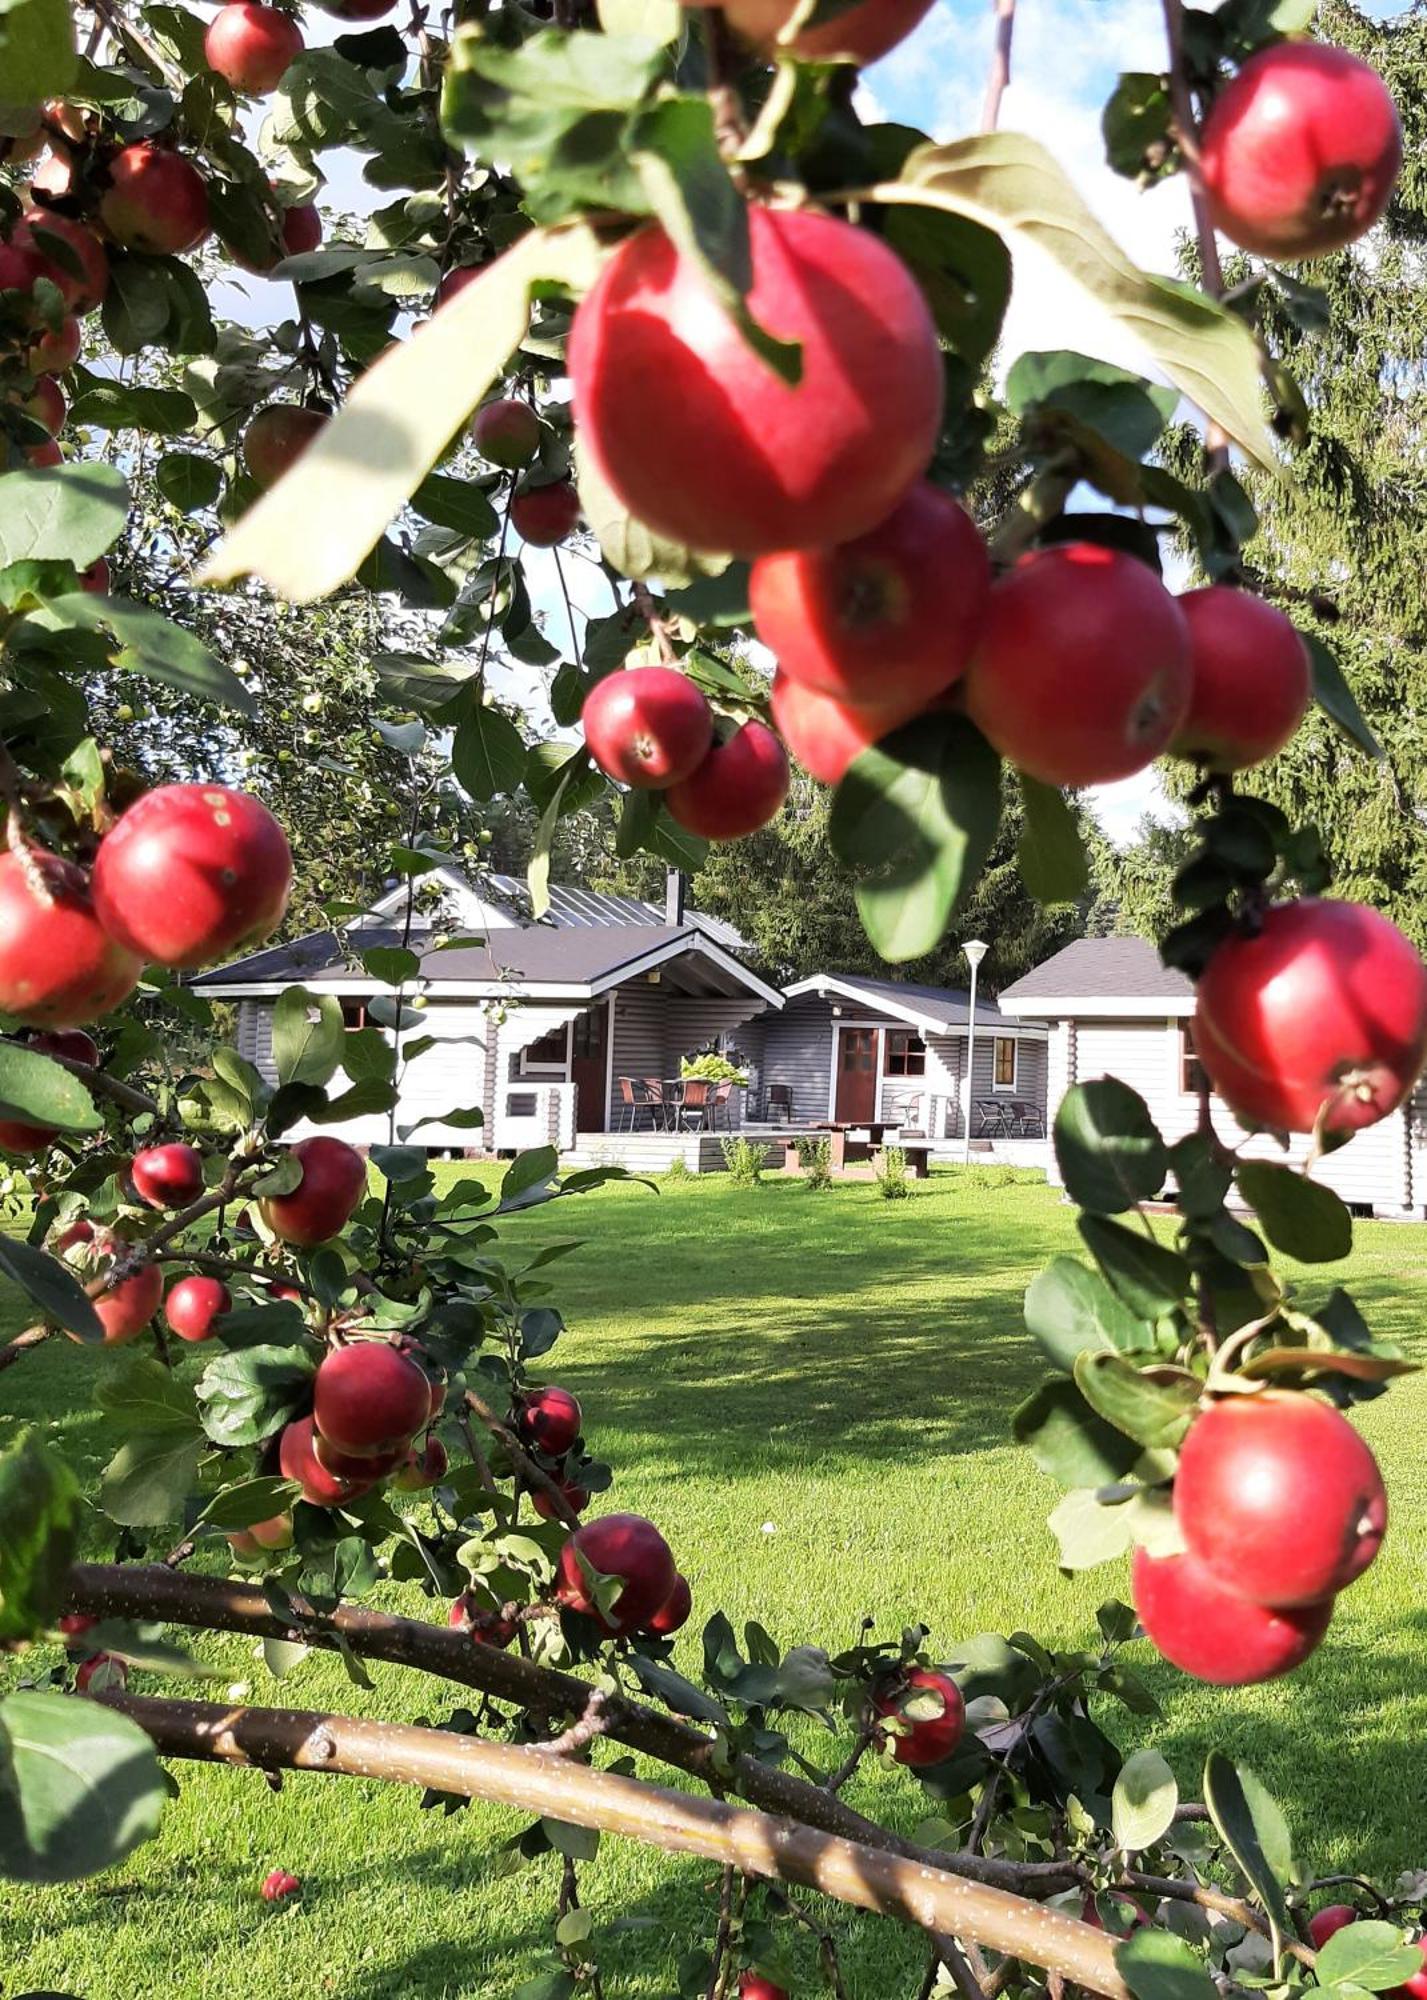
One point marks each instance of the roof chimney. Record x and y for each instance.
(675, 894)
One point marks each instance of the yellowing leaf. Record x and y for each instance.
(309, 533)
(1011, 184)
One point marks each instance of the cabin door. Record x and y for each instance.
(589, 1069)
(855, 1099)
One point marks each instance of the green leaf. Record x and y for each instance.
(249, 1500)
(1122, 410)
(1252, 1826)
(1050, 853)
(918, 813)
(147, 1481)
(537, 872)
(458, 504)
(308, 1036)
(1143, 1802)
(145, 642)
(80, 1788)
(487, 754)
(1300, 1217)
(1157, 1965)
(1070, 1308)
(39, 1534)
(580, 1843)
(1014, 185)
(252, 1392)
(1089, 1533)
(391, 964)
(1068, 1441)
(188, 481)
(311, 531)
(1137, 126)
(112, 406)
(1150, 1279)
(1369, 1954)
(63, 513)
(1108, 1147)
(1153, 1410)
(37, 53)
(527, 1173)
(43, 1092)
(964, 273)
(1334, 696)
(55, 1290)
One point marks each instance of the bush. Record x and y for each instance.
(744, 1160)
(815, 1160)
(713, 1068)
(998, 1177)
(892, 1174)
(679, 1169)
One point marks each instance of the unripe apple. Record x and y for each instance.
(550, 1419)
(673, 1613)
(545, 515)
(58, 966)
(191, 873)
(1250, 679)
(423, 1469)
(1319, 1012)
(125, 1309)
(1277, 1495)
(887, 618)
(1081, 675)
(57, 348)
(858, 33)
(167, 1176)
(156, 201)
(369, 1399)
(576, 1499)
(71, 256)
(250, 45)
(193, 1304)
(1212, 1633)
(1326, 1923)
(647, 727)
(826, 736)
(507, 432)
(739, 787)
(705, 442)
(334, 1179)
(625, 1546)
(277, 437)
(929, 1739)
(1300, 153)
(298, 1461)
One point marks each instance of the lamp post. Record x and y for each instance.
(973, 953)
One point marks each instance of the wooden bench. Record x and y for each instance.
(846, 1149)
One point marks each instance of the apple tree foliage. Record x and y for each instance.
(513, 144)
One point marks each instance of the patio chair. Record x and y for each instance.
(658, 1103)
(723, 1092)
(990, 1119)
(1026, 1119)
(694, 1104)
(633, 1098)
(780, 1104)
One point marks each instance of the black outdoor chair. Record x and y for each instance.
(1027, 1120)
(780, 1104)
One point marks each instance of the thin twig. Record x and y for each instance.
(532, 1474)
(1000, 71)
(1185, 129)
(583, 1732)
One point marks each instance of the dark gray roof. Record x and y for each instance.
(945, 1006)
(1111, 968)
(572, 909)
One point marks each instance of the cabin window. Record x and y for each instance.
(906, 1053)
(551, 1051)
(354, 1014)
(1003, 1062)
(588, 1036)
(1192, 1075)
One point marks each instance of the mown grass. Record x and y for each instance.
(810, 1393)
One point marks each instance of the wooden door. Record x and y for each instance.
(588, 1069)
(855, 1101)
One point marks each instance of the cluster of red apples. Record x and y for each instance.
(1280, 1505)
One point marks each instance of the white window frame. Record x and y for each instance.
(1007, 1089)
(560, 1070)
(1180, 1030)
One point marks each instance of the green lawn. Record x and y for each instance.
(810, 1393)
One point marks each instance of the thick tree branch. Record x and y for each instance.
(16, 1349)
(530, 1780)
(127, 1590)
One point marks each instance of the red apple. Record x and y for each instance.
(57, 349)
(334, 1179)
(456, 281)
(486, 1627)
(280, 1884)
(43, 403)
(1279, 1498)
(367, 1467)
(95, 579)
(125, 1309)
(928, 1739)
(704, 441)
(71, 256)
(1300, 153)
(625, 1546)
(167, 1176)
(156, 201)
(191, 873)
(549, 1419)
(858, 33)
(826, 736)
(887, 618)
(298, 1461)
(1319, 1012)
(74, 1625)
(545, 515)
(753, 1986)
(507, 432)
(1326, 1923)
(101, 1671)
(423, 1469)
(193, 1304)
(1414, 1988)
(277, 437)
(262, 1537)
(1251, 681)
(369, 1399)
(25, 1140)
(673, 1613)
(1082, 671)
(1214, 1634)
(58, 967)
(739, 787)
(576, 1499)
(648, 727)
(250, 45)
(20, 266)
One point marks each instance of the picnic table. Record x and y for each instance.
(851, 1142)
